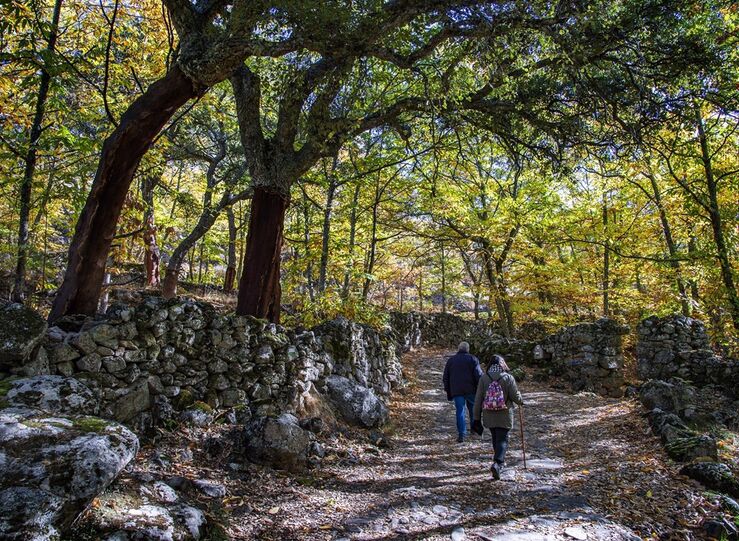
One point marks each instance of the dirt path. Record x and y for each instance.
(594, 472)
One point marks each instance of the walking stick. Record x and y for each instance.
(523, 441)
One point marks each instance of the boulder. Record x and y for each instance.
(279, 442)
(210, 489)
(692, 447)
(120, 517)
(53, 394)
(131, 401)
(713, 475)
(674, 396)
(355, 403)
(21, 330)
(682, 443)
(52, 467)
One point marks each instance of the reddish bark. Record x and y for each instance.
(120, 157)
(169, 285)
(229, 280)
(259, 286)
(151, 255)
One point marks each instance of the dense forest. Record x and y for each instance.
(507, 160)
(369, 270)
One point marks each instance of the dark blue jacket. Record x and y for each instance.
(461, 374)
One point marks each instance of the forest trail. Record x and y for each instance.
(594, 472)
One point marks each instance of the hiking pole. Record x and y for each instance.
(523, 441)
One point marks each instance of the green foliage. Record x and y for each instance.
(501, 171)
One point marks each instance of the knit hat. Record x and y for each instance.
(495, 367)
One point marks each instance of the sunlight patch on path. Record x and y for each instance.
(588, 457)
(429, 485)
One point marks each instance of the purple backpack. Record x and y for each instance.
(494, 398)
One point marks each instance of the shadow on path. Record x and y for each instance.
(580, 449)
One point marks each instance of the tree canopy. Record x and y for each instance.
(512, 160)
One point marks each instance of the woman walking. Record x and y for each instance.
(496, 393)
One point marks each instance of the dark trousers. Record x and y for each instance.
(500, 443)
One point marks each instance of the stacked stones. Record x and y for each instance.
(360, 353)
(407, 328)
(21, 333)
(678, 346)
(587, 356)
(170, 347)
(689, 392)
(413, 329)
(590, 356)
(513, 350)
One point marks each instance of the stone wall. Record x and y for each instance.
(678, 346)
(141, 358)
(587, 356)
(691, 395)
(413, 329)
(590, 356)
(185, 350)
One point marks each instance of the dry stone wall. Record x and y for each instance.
(590, 355)
(142, 359)
(185, 350)
(691, 394)
(587, 356)
(413, 329)
(678, 346)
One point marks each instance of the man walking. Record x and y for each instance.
(461, 374)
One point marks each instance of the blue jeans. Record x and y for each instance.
(500, 443)
(459, 404)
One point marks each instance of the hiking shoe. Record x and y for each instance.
(495, 469)
(460, 439)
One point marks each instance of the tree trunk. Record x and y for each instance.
(606, 262)
(309, 263)
(121, 154)
(326, 234)
(671, 247)
(31, 155)
(722, 251)
(259, 286)
(200, 260)
(352, 242)
(371, 256)
(151, 249)
(503, 295)
(443, 280)
(242, 242)
(230, 279)
(693, 283)
(171, 277)
(496, 277)
(497, 294)
(105, 297)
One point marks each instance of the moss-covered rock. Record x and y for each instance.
(21, 330)
(53, 466)
(185, 399)
(692, 447)
(53, 394)
(713, 475)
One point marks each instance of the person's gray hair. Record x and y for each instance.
(464, 347)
